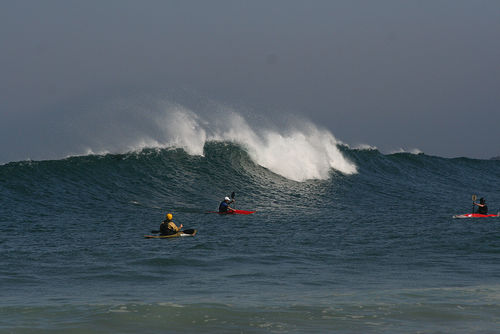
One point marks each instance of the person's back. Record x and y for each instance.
(223, 206)
(483, 209)
(168, 227)
(164, 228)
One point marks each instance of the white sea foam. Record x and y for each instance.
(297, 154)
(411, 151)
(365, 147)
(182, 128)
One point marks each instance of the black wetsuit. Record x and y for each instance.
(482, 210)
(223, 206)
(164, 230)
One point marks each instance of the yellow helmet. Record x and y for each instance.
(169, 216)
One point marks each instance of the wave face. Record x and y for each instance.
(172, 175)
(152, 176)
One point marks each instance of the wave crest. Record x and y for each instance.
(298, 152)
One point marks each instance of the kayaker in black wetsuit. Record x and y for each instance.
(482, 207)
(224, 205)
(168, 227)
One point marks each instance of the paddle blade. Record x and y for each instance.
(232, 195)
(474, 197)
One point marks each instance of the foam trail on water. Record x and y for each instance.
(365, 147)
(415, 151)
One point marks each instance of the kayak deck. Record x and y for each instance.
(475, 215)
(187, 233)
(234, 212)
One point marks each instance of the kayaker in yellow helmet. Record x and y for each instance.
(168, 227)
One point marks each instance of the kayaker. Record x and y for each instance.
(224, 205)
(168, 227)
(482, 207)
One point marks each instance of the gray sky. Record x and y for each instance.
(392, 74)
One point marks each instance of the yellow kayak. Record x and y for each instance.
(185, 233)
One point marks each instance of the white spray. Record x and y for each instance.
(297, 154)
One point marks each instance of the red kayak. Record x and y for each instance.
(475, 215)
(233, 212)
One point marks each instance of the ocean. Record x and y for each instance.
(344, 240)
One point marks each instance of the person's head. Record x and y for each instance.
(226, 199)
(169, 216)
(481, 201)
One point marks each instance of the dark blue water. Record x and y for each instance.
(372, 252)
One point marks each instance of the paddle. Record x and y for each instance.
(232, 197)
(474, 197)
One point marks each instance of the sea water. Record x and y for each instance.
(344, 240)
